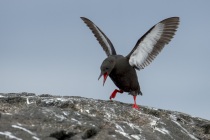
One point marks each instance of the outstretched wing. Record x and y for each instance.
(101, 37)
(152, 42)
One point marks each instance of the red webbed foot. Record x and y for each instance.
(135, 105)
(113, 95)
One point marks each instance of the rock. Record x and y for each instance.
(46, 117)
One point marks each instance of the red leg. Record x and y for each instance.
(114, 93)
(135, 105)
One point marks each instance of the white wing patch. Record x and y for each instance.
(103, 39)
(145, 47)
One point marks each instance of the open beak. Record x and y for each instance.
(105, 76)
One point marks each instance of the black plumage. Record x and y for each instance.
(122, 70)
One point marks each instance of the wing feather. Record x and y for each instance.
(101, 37)
(152, 42)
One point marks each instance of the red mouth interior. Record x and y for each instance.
(105, 76)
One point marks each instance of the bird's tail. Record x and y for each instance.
(134, 93)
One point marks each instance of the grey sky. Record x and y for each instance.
(46, 48)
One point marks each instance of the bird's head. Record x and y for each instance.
(107, 67)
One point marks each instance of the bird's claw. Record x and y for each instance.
(135, 106)
(113, 95)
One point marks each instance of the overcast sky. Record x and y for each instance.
(45, 48)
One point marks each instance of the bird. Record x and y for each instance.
(122, 69)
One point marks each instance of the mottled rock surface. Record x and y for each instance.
(26, 116)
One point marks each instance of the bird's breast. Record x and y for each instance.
(124, 76)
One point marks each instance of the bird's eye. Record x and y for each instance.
(107, 68)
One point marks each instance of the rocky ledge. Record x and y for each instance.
(26, 116)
